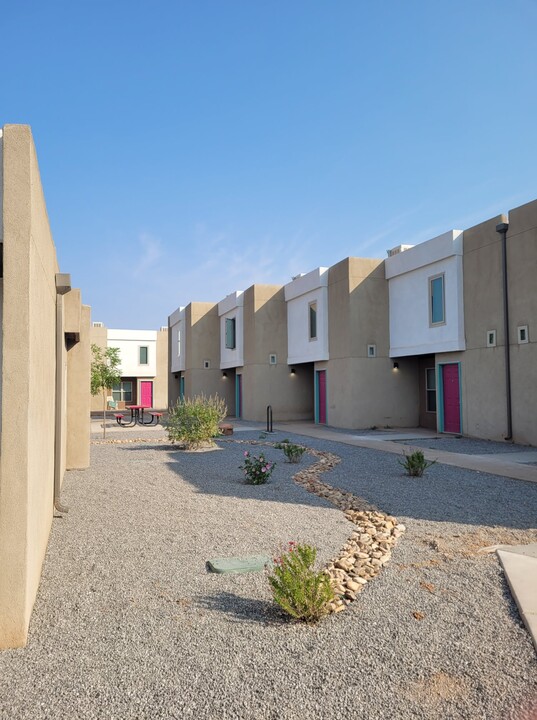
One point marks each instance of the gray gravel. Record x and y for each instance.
(468, 446)
(128, 624)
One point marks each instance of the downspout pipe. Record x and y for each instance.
(502, 229)
(63, 285)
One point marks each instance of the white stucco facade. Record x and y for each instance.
(301, 294)
(231, 307)
(178, 340)
(409, 275)
(129, 343)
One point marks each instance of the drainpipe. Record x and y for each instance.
(502, 228)
(63, 285)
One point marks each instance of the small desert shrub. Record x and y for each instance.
(257, 469)
(415, 463)
(194, 421)
(299, 590)
(293, 453)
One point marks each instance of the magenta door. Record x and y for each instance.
(321, 397)
(451, 398)
(146, 393)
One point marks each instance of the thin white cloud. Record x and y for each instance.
(151, 252)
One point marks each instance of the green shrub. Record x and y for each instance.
(194, 421)
(257, 469)
(293, 453)
(415, 463)
(299, 590)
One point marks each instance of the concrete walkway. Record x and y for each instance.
(519, 562)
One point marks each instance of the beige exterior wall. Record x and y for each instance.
(27, 453)
(364, 391)
(78, 395)
(160, 384)
(265, 333)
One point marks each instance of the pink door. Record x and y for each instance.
(146, 393)
(321, 396)
(451, 398)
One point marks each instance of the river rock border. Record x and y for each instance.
(369, 547)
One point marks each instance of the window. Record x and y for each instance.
(437, 314)
(272, 358)
(123, 391)
(523, 337)
(178, 343)
(430, 389)
(230, 333)
(144, 355)
(491, 338)
(313, 321)
(371, 351)
(207, 364)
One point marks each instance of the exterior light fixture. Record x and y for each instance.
(396, 366)
(224, 374)
(293, 372)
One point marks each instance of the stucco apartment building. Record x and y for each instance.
(45, 351)
(416, 339)
(144, 366)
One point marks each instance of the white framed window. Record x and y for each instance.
(437, 310)
(230, 333)
(312, 320)
(371, 351)
(178, 343)
(430, 390)
(143, 355)
(491, 338)
(207, 364)
(272, 358)
(522, 334)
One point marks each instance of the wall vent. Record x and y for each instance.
(97, 324)
(163, 328)
(398, 249)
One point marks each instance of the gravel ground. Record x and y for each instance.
(128, 624)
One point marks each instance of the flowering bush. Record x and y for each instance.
(298, 589)
(257, 469)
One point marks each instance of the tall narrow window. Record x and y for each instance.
(430, 388)
(230, 333)
(178, 343)
(437, 313)
(313, 321)
(144, 354)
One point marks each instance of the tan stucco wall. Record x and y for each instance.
(78, 395)
(265, 333)
(160, 384)
(363, 391)
(28, 371)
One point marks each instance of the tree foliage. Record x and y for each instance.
(105, 373)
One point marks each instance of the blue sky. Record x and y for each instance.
(190, 149)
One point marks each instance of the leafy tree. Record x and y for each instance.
(104, 373)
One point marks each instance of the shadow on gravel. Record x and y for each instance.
(243, 610)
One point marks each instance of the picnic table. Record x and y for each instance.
(137, 416)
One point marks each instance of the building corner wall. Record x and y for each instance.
(78, 395)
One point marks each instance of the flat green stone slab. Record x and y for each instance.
(250, 563)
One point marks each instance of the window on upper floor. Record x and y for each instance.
(313, 321)
(230, 333)
(143, 355)
(437, 311)
(178, 343)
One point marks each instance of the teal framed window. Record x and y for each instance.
(437, 311)
(143, 355)
(230, 333)
(430, 390)
(122, 391)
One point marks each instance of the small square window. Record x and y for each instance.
(523, 336)
(313, 321)
(491, 338)
(144, 355)
(372, 351)
(207, 364)
(273, 359)
(437, 315)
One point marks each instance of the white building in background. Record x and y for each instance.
(177, 340)
(231, 313)
(426, 297)
(307, 317)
